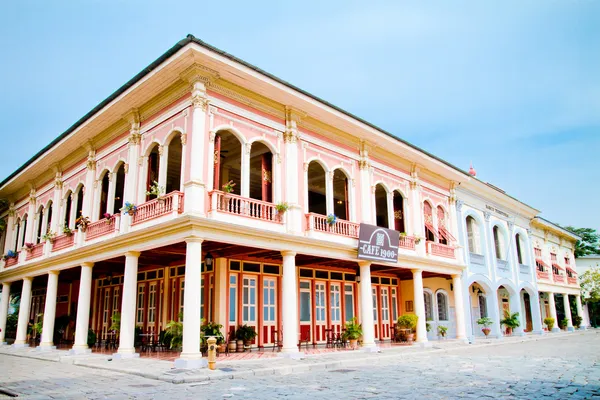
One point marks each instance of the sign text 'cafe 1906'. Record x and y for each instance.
(377, 243)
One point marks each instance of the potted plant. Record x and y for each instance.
(49, 236)
(10, 254)
(549, 323)
(442, 330)
(564, 323)
(485, 322)
(174, 329)
(228, 187)
(156, 190)
(246, 334)
(67, 231)
(282, 207)
(427, 326)
(29, 246)
(129, 208)
(353, 332)
(91, 337)
(107, 216)
(331, 219)
(406, 326)
(115, 322)
(510, 321)
(577, 320)
(82, 223)
(418, 239)
(214, 329)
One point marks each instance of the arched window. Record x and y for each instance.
(442, 306)
(427, 297)
(482, 305)
(399, 212)
(174, 165)
(68, 207)
(119, 188)
(227, 161)
(317, 194)
(381, 206)
(17, 233)
(79, 195)
(261, 172)
(153, 170)
(23, 230)
(428, 215)
(441, 221)
(498, 242)
(40, 224)
(48, 216)
(105, 182)
(473, 235)
(340, 195)
(518, 243)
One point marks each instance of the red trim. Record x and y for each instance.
(446, 234)
(431, 228)
(557, 266)
(541, 262)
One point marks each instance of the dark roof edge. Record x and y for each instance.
(559, 227)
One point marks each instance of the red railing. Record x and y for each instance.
(407, 242)
(101, 227)
(442, 250)
(243, 206)
(63, 241)
(543, 274)
(36, 251)
(571, 281)
(559, 278)
(317, 222)
(9, 262)
(158, 207)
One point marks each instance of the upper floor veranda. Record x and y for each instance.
(222, 140)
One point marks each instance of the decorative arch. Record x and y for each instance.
(523, 255)
(508, 285)
(322, 163)
(39, 224)
(150, 147)
(442, 305)
(234, 131)
(103, 189)
(119, 187)
(429, 218)
(341, 193)
(382, 206)
(482, 281)
(172, 135)
(317, 187)
(476, 233)
(500, 238)
(229, 158)
(529, 288)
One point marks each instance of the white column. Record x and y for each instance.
(31, 214)
(194, 188)
(515, 306)
(4, 301)
(57, 205)
(24, 309)
(568, 316)
(128, 302)
(295, 213)
(163, 163)
(329, 193)
(552, 306)
(83, 310)
(419, 305)
(580, 313)
(536, 313)
(190, 356)
(494, 313)
(221, 278)
(132, 167)
(245, 170)
(289, 303)
(47, 341)
(366, 194)
(112, 188)
(390, 210)
(90, 176)
(459, 307)
(366, 306)
(9, 241)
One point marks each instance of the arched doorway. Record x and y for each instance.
(174, 165)
(381, 206)
(526, 310)
(340, 195)
(317, 193)
(227, 162)
(399, 223)
(261, 172)
(119, 188)
(105, 182)
(153, 166)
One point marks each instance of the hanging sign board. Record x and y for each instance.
(377, 243)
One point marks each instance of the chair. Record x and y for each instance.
(277, 340)
(330, 338)
(304, 339)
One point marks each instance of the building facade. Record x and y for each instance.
(209, 190)
(591, 315)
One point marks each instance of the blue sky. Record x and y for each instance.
(513, 86)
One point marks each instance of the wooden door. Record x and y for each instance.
(335, 307)
(320, 312)
(269, 311)
(249, 302)
(375, 312)
(385, 312)
(305, 308)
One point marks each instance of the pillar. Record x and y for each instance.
(552, 306)
(24, 309)
(90, 177)
(128, 303)
(366, 306)
(493, 310)
(366, 194)
(536, 313)
(4, 301)
(190, 356)
(221, 278)
(47, 341)
(57, 204)
(459, 307)
(289, 303)
(580, 313)
(419, 306)
(293, 216)
(515, 306)
(83, 309)
(568, 316)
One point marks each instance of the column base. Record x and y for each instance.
(424, 345)
(541, 332)
(582, 328)
(371, 348)
(125, 355)
(555, 330)
(76, 351)
(3, 344)
(518, 334)
(463, 340)
(46, 347)
(570, 329)
(20, 345)
(291, 354)
(191, 363)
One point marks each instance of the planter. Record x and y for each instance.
(83, 228)
(247, 343)
(222, 348)
(410, 337)
(232, 346)
(131, 212)
(354, 344)
(240, 346)
(508, 331)
(486, 331)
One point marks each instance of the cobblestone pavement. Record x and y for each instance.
(561, 367)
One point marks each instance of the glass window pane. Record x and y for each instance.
(232, 304)
(305, 306)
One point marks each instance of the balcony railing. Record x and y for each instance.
(318, 222)
(158, 207)
(9, 262)
(63, 241)
(543, 274)
(442, 250)
(477, 259)
(243, 206)
(407, 242)
(35, 252)
(571, 281)
(559, 278)
(502, 264)
(524, 269)
(102, 227)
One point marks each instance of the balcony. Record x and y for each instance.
(543, 275)
(10, 262)
(477, 259)
(502, 264)
(441, 250)
(169, 204)
(571, 281)
(407, 242)
(524, 269)
(245, 207)
(318, 223)
(559, 278)
(35, 252)
(102, 227)
(63, 242)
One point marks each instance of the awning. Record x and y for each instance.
(558, 266)
(431, 228)
(572, 271)
(443, 232)
(540, 263)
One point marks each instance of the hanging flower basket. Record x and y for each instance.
(331, 219)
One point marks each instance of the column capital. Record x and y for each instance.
(456, 276)
(87, 264)
(288, 253)
(194, 239)
(28, 278)
(135, 254)
(7, 284)
(364, 263)
(416, 271)
(56, 272)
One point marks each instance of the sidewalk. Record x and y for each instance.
(164, 370)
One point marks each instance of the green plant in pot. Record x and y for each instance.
(564, 323)
(246, 334)
(577, 320)
(174, 330)
(510, 321)
(115, 325)
(486, 322)
(406, 326)
(353, 332)
(442, 330)
(282, 207)
(214, 329)
(549, 323)
(91, 338)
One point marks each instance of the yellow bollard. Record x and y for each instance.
(212, 352)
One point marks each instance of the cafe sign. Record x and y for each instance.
(377, 243)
